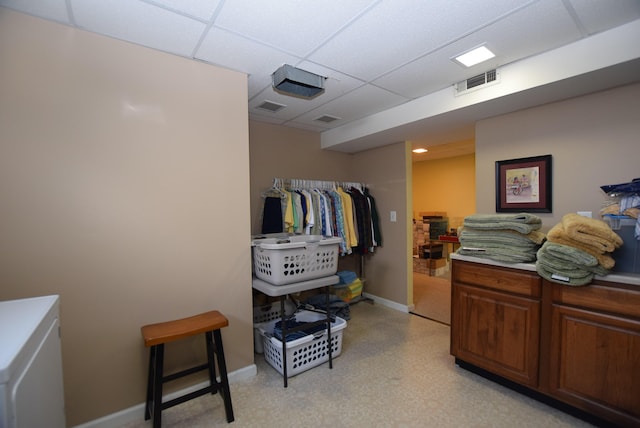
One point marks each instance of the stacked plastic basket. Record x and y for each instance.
(284, 260)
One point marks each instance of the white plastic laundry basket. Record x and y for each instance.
(262, 314)
(304, 353)
(280, 261)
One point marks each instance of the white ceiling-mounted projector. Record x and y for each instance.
(289, 80)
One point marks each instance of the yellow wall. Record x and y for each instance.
(447, 185)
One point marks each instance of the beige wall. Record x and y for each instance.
(278, 151)
(447, 185)
(593, 140)
(387, 172)
(124, 177)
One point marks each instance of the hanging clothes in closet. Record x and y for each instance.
(345, 210)
(274, 208)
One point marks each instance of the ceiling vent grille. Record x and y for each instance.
(477, 82)
(326, 118)
(271, 106)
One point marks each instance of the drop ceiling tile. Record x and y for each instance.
(394, 33)
(294, 105)
(421, 77)
(599, 15)
(510, 38)
(364, 101)
(306, 126)
(336, 83)
(55, 10)
(139, 23)
(235, 52)
(201, 9)
(258, 83)
(290, 25)
(261, 117)
(312, 125)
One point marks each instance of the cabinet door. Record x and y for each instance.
(496, 331)
(595, 363)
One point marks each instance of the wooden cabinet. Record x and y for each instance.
(496, 328)
(595, 350)
(577, 346)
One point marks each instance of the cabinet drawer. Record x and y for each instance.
(599, 296)
(502, 279)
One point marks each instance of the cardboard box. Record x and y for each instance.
(436, 263)
(431, 267)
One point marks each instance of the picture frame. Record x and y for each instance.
(524, 185)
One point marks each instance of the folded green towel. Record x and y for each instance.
(472, 237)
(563, 267)
(550, 275)
(525, 218)
(523, 223)
(562, 264)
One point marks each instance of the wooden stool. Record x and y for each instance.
(156, 335)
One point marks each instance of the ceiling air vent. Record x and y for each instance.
(271, 106)
(476, 82)
(326, 118)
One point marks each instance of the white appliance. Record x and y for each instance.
(31, 386)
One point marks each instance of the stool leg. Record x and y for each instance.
(211, 362)
(224, 381)
(152, 361)
(157, 386)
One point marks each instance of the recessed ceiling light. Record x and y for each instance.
(420, 150)
(474, 56)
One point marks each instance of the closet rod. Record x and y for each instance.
(319, 184)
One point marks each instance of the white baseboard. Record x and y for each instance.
(136, 412)
(388, 303)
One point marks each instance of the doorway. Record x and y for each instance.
(432, 296)
(444, 183)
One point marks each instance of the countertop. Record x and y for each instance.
(623, 278)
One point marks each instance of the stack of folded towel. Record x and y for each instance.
(511, 238)
(577, 249)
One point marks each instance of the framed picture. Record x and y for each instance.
(524, 185)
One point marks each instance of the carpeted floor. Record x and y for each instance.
(394, 371)
(432, 296)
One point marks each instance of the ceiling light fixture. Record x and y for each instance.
(289, 80)
(420, 150)
(474, 56)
